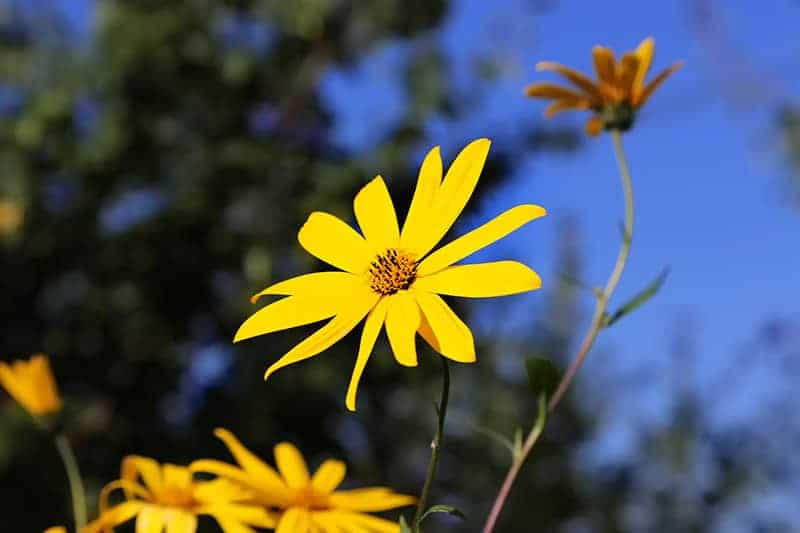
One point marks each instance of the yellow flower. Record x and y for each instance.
(57, 529)
(617, 94)
(32, 385)
(306, 503)
(167, 498)
(390, 276)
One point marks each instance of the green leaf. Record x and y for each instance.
(497, 437)
(637, 301)
(404, 527)
(543, 376)
(449, 509)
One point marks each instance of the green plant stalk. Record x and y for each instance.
(436, 446)
(75, 482)
(595, 326)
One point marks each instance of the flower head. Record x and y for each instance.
(57, 529)
(306, 503)
(32, 385)
(619, 91)
(168, 498)
(390, 276)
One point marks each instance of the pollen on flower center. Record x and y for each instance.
(392, 271)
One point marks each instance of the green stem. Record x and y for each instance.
(75, 481)
(595, 326)
(436, 446)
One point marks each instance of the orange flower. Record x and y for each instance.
(32, 385)
(619, 91)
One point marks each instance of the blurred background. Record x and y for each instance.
(158, 157)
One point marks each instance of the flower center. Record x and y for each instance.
(174, 496)
(309, 498)
(392, 271)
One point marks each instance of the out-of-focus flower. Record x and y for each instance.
(57, 529)
(12, 214)
(306, 503)
(391, 276)
(167, 498)
(32, 385)
(619, 91)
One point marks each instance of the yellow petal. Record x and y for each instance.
(604, 65)
(626, 74)
(594, 126)
(375, 215)
(480, 237)
(359, 303)
(295, 520)
(150, 520)
(330, 239)
(456, 189)
(229, 525)
(560, 106)
(289, 312)
(372, 327)
(402, 322)
(292, 466)
(644, 52)
(551, 91)
(578, 79)
(413, 236)
(57, 529)
(176, 476)
(656, 82)
(181, 522)
(482, 280)
(262, 476)
(222, 490)
(351, 522)
(316, 283)
(369, 500)
(329, 476)
(149, 470)
(228, 515)
(114, 517)
(454, 338)
(15, 387)
(44, 383)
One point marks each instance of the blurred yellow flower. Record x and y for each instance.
(390, 277)
(12, 215)
(619, 91)
(306, 503)
(57, 529)
(167, 498)
(32, 385)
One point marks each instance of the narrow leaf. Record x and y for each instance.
(637, 301)
(404, 527)
(449, 509)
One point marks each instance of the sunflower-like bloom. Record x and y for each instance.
(32, 385)
(619, 91)
(390, 276)
(167, 498)
(306, 503)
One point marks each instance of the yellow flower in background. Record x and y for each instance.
(306, 503)
(58, 529)
(12, 215)
(32, 385)
(391, 277)
(167, 498)
(619, 91)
